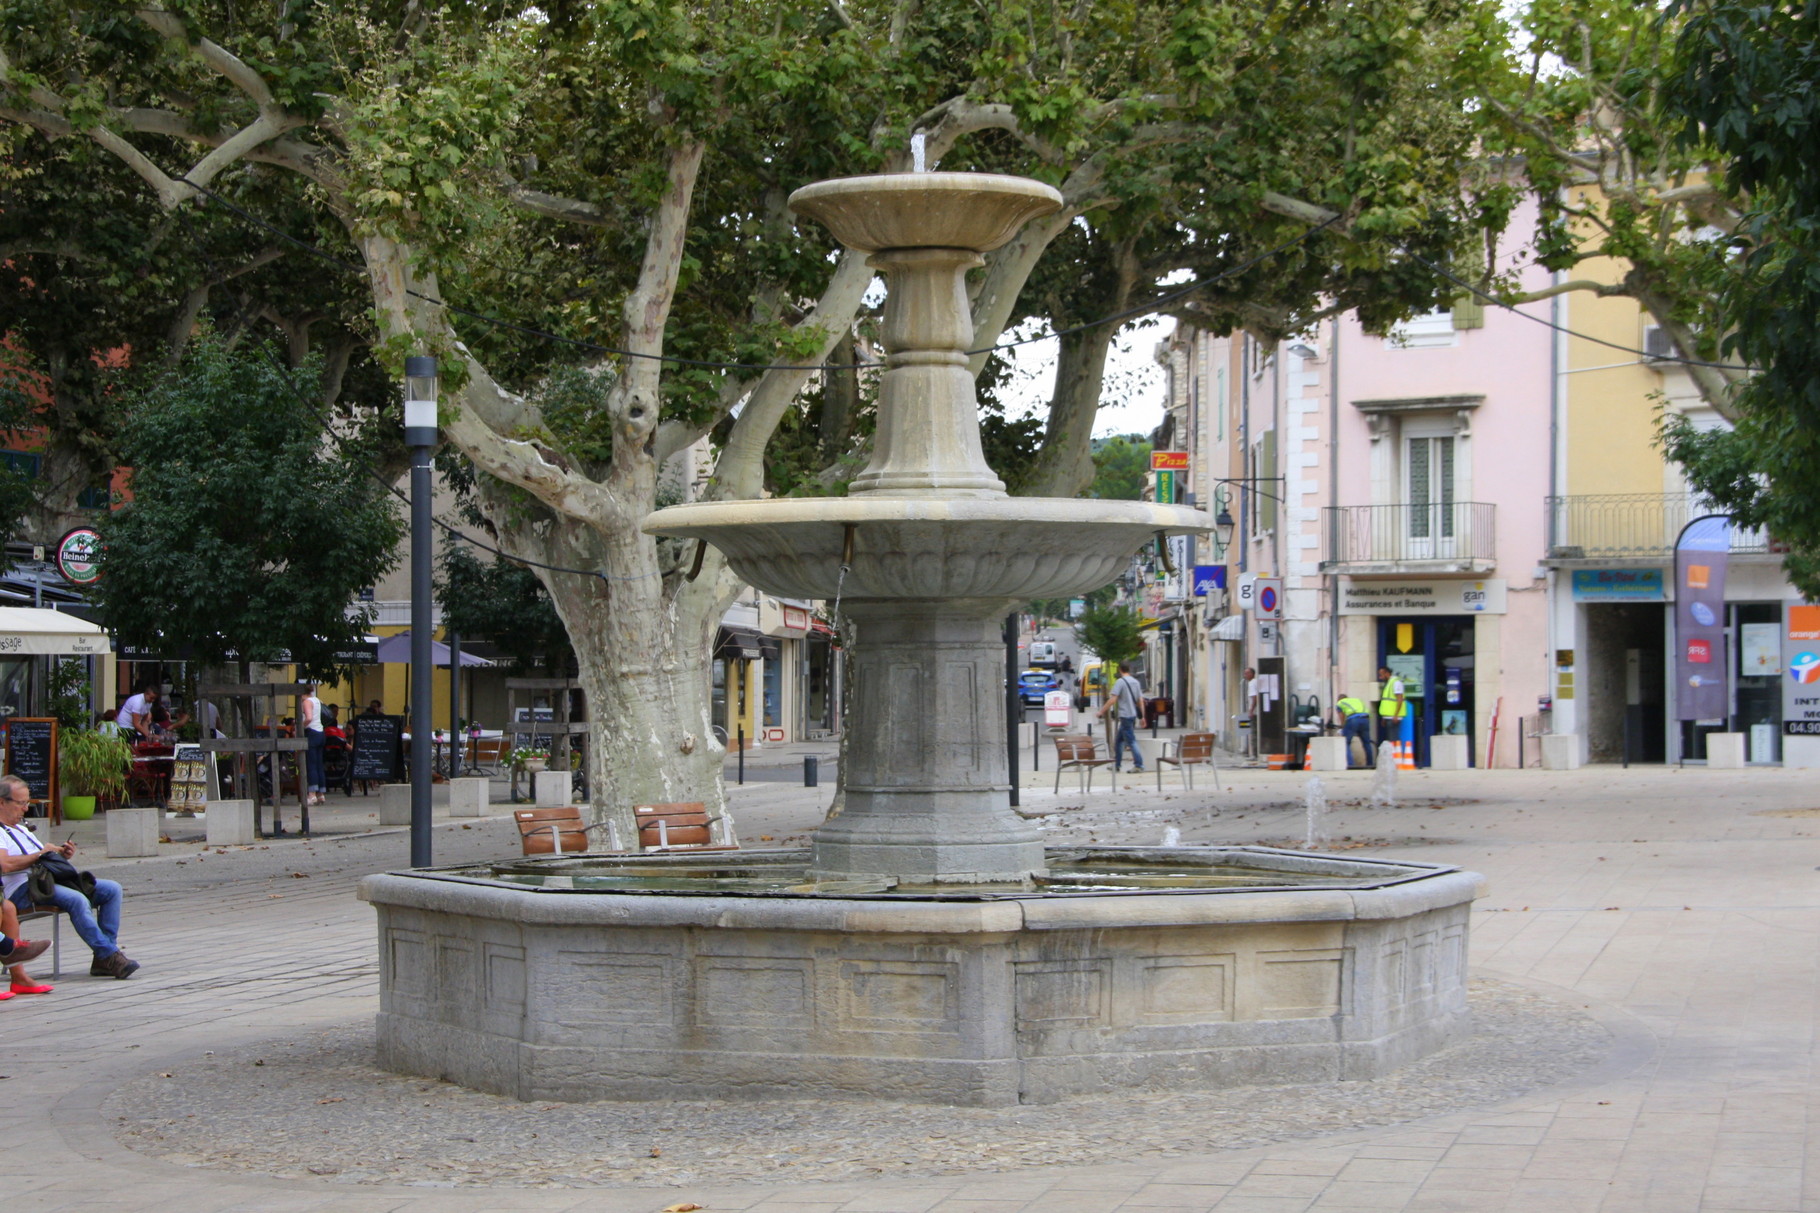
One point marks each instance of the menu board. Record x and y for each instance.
(378, 745)
(31, 753)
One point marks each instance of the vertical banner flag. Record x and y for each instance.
(1700, 652)
(1801, 670)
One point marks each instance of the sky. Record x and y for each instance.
(1131, 401)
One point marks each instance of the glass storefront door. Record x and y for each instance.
(1435, 658)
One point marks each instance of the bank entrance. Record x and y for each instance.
(1434, 656)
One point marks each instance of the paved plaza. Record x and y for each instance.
(1678, 908)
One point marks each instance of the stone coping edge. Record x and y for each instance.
(427, 892)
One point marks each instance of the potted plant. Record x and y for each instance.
(90, 764)
(532, 760)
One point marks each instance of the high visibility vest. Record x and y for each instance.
(1388, 707)
(1350, 706)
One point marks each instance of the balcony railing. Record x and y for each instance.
(1630, 526)
(1455, 536)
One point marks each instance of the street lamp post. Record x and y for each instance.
(420, 436)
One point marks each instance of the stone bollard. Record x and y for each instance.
(1449, 752)
(552, 789)
(1560, 752)
(395, 804)
(230, 824)
(132, 832)
(1725, 751)
(1327, 753)
(469, 797)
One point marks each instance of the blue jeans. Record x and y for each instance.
(1127, 736)
(1358, 725)
(312, 760)
(99, 925)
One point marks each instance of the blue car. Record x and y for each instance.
(1032, 685)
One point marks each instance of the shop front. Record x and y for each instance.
(1431, 635)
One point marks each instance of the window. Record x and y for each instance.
(1263, 487)
(21, 463)
(1430, 331)
(1431, 485)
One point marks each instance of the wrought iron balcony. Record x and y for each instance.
(1445, 537)
(1630, 526)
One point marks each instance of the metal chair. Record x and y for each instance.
(1191, 750)
(1078, 752)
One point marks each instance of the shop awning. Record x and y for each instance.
(397, 650)
(35, 631)
(1231, 628)
(740, 644)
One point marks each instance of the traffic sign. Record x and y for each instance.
(1269, 592)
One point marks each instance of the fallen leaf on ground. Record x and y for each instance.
(684, 1207)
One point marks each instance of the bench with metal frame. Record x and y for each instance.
(559, 831)
(683, 826)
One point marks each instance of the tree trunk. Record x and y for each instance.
(1064, 465)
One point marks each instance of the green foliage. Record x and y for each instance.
(502, 602)
(1744, 80)
(1114, 632)
(1121, 468)
(92, 763)
(66, 692)
(248, 532)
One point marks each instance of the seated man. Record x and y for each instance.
(99, 927)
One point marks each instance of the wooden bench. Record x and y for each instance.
(1187, 752)
(683, 826)
(558, 831)
(55, 914)
(1078, 752)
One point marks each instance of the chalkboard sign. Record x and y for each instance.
(378, 743)
(31, 754)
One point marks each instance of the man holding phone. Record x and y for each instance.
(99, 926)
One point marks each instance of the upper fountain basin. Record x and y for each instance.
(978, 211)
(930, 548)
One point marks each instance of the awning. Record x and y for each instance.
(740, 644)
(1231, 628)
(397, 650)
(36, 631)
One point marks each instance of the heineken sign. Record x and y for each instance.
(79, 556)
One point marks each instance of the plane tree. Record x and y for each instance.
(555, 200)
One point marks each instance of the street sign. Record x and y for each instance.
(1269, 591)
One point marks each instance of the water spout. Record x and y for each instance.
(919, 153)
(1172, 837)
(1384, 783)
(1314, 800)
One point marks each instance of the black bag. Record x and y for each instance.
(52, 870)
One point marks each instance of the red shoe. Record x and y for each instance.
(5, 994)
(19, 987)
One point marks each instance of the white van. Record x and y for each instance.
(1042, 652)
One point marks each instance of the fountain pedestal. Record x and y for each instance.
(926, 794)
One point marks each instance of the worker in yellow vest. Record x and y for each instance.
(1392, 706)
(1355, 723)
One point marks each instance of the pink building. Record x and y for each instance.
(1393, 485)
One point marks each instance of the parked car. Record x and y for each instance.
(1032, 685)
(1042, 652)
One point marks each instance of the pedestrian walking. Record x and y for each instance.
(1127, 700)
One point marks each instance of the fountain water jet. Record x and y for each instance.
(1314, 803)
(1384, 778)
(927, 948)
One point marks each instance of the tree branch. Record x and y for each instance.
(550, 206)
(225, 64)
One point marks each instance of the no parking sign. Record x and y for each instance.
(1269, 595)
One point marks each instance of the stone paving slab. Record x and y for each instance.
(1684, 900)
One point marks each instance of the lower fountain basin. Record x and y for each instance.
(926, 547)
(1151, 968)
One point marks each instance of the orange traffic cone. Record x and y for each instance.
(1405, 746)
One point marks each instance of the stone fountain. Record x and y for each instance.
(927, 947)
